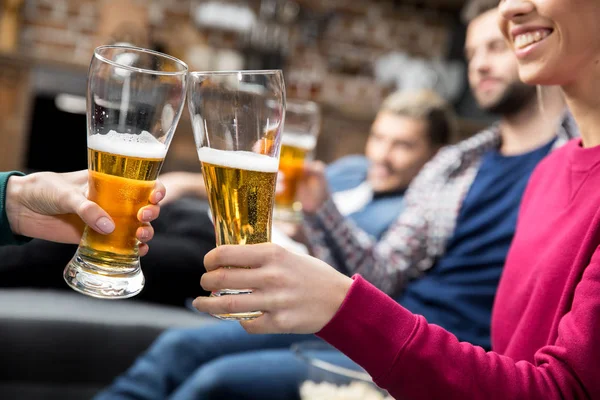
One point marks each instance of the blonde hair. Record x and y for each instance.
(429, 106)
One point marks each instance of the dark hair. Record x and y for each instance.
(428, 106)
(474, 8)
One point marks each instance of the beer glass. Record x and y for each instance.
(237, 119)
(302, 126)
(134, 100)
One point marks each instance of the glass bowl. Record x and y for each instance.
(333, 376)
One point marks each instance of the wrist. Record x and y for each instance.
(340, 293)
(316, 208)
(326, 208)
(13, 201)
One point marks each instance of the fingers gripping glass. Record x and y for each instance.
(237, 121)
(134, 101)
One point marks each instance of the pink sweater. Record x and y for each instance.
(546, 319)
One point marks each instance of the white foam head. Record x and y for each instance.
(143, 145)
(302, 141)
(238, 159)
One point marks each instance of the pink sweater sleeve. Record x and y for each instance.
(412, 359)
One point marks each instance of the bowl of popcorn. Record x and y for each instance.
(333, 376)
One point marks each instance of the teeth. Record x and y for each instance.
(525, 39)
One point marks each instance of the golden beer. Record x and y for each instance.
(122, 174)
(295, 148)
(240, 187)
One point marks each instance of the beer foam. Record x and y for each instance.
(303, 141)
(143, 145)
(238, 159)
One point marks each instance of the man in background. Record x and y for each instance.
(408, 131)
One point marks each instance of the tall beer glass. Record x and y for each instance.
(134, 101)
(237, 119)
(302, 126)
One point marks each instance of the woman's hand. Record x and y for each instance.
(296, 293)
(54, 207)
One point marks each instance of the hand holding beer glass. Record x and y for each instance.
(134, 101)
(237, 120)
(302, 126)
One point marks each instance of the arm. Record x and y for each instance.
(180, 184)
(319, 245)
(401, 351)
(6, 234)
(399, 255)
(414, 360)
(54, 207)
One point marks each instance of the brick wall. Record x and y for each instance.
(335, 70)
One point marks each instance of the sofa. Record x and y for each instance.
(61, 345)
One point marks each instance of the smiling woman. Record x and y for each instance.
(552, 39)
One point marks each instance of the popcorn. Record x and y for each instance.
(356, 390)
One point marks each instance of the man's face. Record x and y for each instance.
(397, 148)
(493, 67)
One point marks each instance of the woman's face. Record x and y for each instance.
(555, 41)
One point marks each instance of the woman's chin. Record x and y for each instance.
(544, 74)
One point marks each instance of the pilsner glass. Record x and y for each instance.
(302, 126)
(134, 101)
(237, 119)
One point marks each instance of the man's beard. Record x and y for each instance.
(516, 96)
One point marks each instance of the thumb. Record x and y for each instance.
(91, 213)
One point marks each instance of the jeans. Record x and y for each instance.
(219, 361)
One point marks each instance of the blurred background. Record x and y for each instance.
(346, 55)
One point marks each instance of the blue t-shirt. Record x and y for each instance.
(458, 292)
(375, 217)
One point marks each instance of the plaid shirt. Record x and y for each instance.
(418, 237)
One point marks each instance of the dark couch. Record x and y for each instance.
(65, 346)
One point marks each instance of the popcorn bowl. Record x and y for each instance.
(333, 376)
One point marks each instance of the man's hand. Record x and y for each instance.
(313, 190)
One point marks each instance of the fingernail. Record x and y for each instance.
(145, 234)
(159, 196)
(146, 215)
(105, 225)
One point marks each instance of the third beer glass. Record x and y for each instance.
(135, 99)
(237, 119)
(302, 125)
